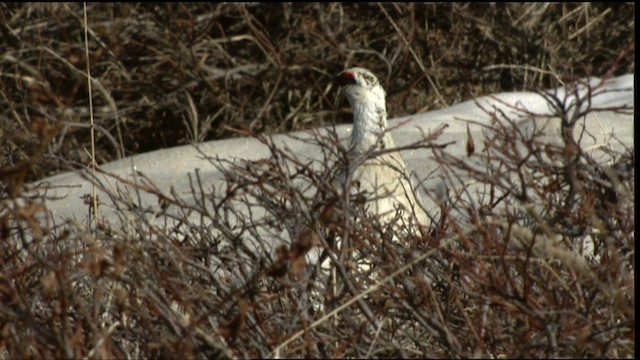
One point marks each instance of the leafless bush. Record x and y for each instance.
(279, 262)
(267, 66)
(539, 262)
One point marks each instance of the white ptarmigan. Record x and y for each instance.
(383, 177)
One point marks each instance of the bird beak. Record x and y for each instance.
(336, 79)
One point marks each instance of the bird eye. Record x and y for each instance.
(344, 78)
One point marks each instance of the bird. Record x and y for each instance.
(378, 171)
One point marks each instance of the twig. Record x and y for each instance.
(415, 57)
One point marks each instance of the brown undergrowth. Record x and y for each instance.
(276, 262)
(169, 74)
(540, 265)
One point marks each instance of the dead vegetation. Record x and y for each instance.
(209, 281)
(158, 68)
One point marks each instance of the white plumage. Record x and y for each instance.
(383, 177)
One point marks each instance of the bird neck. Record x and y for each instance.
(369, 123)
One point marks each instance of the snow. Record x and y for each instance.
(169, 168)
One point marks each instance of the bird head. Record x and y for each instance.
(360, 87)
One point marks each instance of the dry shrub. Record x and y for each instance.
(226, 274)
(210, 278)
(167, 74)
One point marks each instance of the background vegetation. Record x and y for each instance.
(170, 74)
(268, 67)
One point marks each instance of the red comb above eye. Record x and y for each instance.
(345, 78)
(347, 74)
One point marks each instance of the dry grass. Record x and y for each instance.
(202, 279)
(267, 67)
